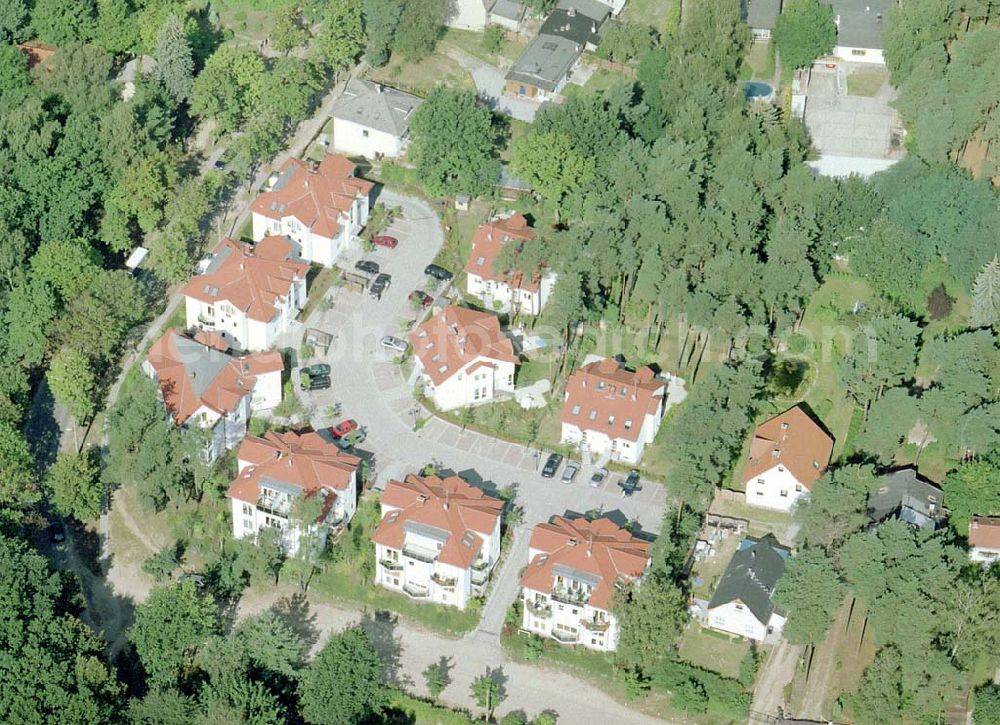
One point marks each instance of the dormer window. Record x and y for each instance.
(600, 385)
(628, 424)
(611, 420)
(593, 414)
(480, 261)
(576, 410)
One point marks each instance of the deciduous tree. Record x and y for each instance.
(381, 20)
(804, 32)
(342, 35)
(344, 684)
(419, 28)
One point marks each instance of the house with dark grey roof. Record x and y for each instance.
(742, 603)
(860, 26)
(543, 68)
(761, 16)
(373, 120)
(904, 495)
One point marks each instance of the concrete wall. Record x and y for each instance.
(775, 489)
(358, 140)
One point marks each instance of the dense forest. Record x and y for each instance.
(666, 203)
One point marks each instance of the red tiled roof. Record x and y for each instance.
(487, 244)
(305, 461)
(252, 278)
(604, 389)
(598, 548)
(455, 337)
(316, 196)
(192, 374)
(449, 504)
(793, 440)
(984, 532)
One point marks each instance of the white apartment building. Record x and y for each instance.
(574, 568)
(201, 384)
(788, 453)
(321, 207)
(463, 358)
(373, 120)
(612, 412)
(277, 471)
(509, 290)
(249, 294)
(438, 540)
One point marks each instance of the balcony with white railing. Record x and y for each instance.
(575, 597)
(537, 609)
(390, 565)
(595, 625)
(420, 553)
(564, 636)
(444, 581)
(274, 506)
(417, 591)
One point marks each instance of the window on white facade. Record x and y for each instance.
(364, 132)
(798, 488)
(247, 509)
(760, 493)
(248, 524)
(510, 379)
(784, 493)
(858, 51)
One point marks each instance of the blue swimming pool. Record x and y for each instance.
(756, 89)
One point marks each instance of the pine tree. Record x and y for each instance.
(986, 295)
(174, 64)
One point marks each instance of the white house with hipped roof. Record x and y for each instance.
(278, 471)
(438, 540)
(249, 294)
(202, 385)
(373, 120)
(321, 208)
(463, 358)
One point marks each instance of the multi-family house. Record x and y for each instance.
(984, 539)
(505, 290)
(203, 385)
(250, 294)
(438, 540)
(788, 453)
(320, 207)
(463, 358)
(612, 412)
(277, 472)
(373, 120)
(743, 601)
(575, 566)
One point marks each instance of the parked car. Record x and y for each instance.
(421, 298)
(57, 532)
(315, 382)
(367, 266)
(218, 164)
(395, 343)
(631, 483)
(343, 428)
(438, 272)
(599, 476)
(188, 576)
(319, 369)
(380, 285)
(569, 473)
(551, 465)
(382, 240)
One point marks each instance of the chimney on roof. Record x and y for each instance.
(593, 28)
(571, 12)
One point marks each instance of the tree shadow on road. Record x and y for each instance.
(381, 627)
(294, 613)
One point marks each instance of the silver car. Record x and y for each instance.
(395, 343)
(600, 475)
(569, 473)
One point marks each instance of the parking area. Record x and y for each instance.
(852, 127)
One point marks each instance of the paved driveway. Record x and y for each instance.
(371, 389)
(490, 84)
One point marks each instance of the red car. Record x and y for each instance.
(384, 241)
(343, 428)
(421, 297)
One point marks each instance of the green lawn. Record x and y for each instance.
(421, 712)
(713, 650)
(651, 12)
(348, 578)
(421, 78)
(866, 82)
(760, 58)
(471, 42)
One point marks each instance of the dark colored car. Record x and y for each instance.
(219, 165)
(197, 579)
(551, 465)
(315, 382)
(317, 370)
(380, 285)
(367, 266)
(631, 483)
(438, 272)
(383, 240)
(57, 532)
(343, 428)
(422, 298)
